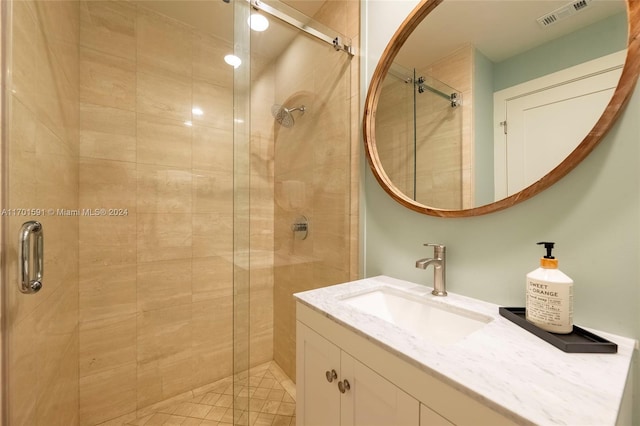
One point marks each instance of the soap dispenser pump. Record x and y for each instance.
(549, 302)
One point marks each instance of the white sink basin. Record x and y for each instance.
(427, 319)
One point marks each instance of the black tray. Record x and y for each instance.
(578, 341)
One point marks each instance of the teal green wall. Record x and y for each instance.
(593, 214)
(602, 38)
(483, 128)
(605, 37)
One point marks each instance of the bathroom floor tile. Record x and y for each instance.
(260, 400)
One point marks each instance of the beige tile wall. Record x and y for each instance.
(261, 177)
(438, 151)
(455, 140)
(156, 287)
(394, 132)
(352, 29)
(139, 305)
(315, 170)
(42, 157)
(3, 127)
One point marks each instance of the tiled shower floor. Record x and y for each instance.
(270, 395)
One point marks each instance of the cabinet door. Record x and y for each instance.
(428, 417)
(318, 399)
(371, 400)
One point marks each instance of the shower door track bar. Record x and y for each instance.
(401, 76)
(337, 42)
(455, 98)
(435, 91)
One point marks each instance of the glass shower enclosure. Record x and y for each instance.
(170, 177)
(419, 137)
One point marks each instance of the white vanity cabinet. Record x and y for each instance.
(496, 375)
(373, 400)
(317, 375)
(383, 389)
(428, 417)
(334, 388)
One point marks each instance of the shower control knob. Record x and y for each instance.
(331, 375)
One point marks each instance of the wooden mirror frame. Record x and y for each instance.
(619, 99)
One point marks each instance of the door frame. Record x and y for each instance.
(587, 69)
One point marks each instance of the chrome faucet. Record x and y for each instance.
(439, 264)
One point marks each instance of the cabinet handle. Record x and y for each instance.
(344, 386)
(331, 375)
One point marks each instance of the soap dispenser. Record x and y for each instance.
(550, 296)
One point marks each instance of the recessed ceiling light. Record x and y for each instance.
(258, 22)
(197, 111)
(233, 60)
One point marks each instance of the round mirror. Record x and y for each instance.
(466, 116)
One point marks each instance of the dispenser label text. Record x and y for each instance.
(549, 305)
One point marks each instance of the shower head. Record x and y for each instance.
(283, 114)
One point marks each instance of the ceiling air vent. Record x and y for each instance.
(563, 12)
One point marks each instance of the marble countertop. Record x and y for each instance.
(512, 370)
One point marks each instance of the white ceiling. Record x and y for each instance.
(498, 28)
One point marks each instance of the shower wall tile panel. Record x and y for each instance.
(109, 27)
(455, 70)
(259, 301)
(107, 133)
(315, 173)
(156, 294)
(43, 101)
(107, 80)
(141, 309)
(163, 44)
(163, 142)
(394, 132)
(163, 94)
(219, 160)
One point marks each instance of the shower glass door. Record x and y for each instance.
(149, 189)
(122, 139)
(241, 212)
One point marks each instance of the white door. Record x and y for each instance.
(547, 118)
(318, 397)
(371, 400)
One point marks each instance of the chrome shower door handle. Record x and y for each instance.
(28, 284)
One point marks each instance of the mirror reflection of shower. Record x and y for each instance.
(283, 114)
(455, 98)
(419, 121)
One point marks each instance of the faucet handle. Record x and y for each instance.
(438, 249)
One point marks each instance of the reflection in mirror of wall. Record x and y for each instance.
(447, 158)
